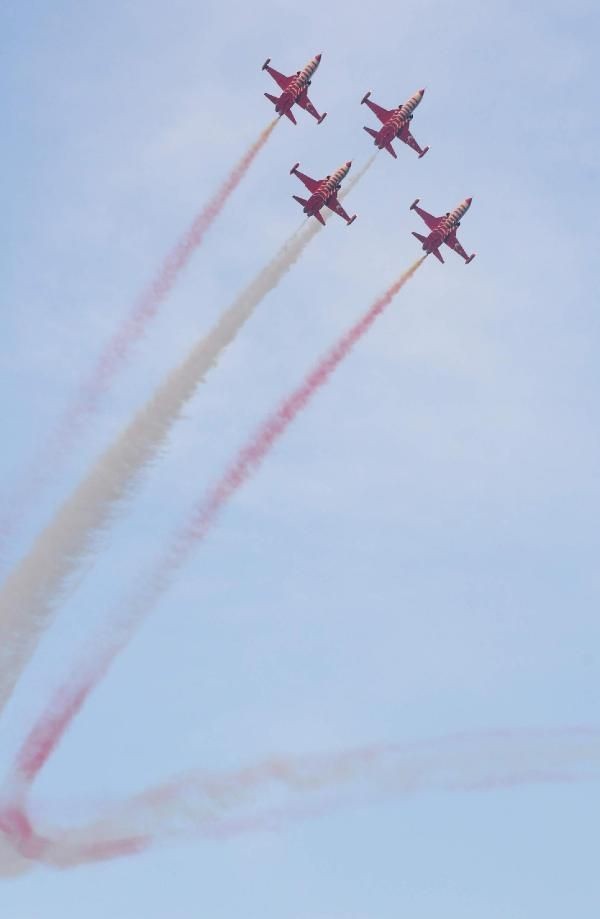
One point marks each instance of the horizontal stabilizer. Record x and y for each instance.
(300, 200)
(438, 254)
(319, 217)
(275, 102)
(371, 132)
(391, 150)
(421, 239)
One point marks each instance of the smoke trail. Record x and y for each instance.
(53, 723)
(35, 585)
(278, 791)
(66, 853)
(281, 789)
(115, 353)
(31, 592)
(252, 455)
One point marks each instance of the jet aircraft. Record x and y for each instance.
(323, 192)
(396, 123)
(294, 90)
(443, 230)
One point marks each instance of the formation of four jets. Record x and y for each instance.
(395, 123)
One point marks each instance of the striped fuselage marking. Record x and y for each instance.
(398, 119)
(447, 226)
(326, 189)
(297, 86)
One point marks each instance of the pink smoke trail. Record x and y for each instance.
(47, 732)
(252, 455)
(30, 593)
(272, 794)
(116, 352)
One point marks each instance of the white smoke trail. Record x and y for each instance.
(36, 585)
(279, 791)
(81, 411)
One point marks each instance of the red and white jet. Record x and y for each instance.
(323, 192)
(294, 90)
(443, 230)
(395, 124)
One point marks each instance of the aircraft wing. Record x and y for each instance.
(382, 113)
(280, 78)
(453, 243)
(407, 137)
(311, 184)
(305, 103)
(431, 221)
(334, 205)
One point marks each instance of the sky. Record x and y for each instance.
(418, 555)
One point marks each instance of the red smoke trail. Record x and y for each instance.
(272, 794)
(43, 739)
(252, 455)
(47, 732)
(147, 305)
(117, 350)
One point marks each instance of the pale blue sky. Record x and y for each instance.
(419, 555)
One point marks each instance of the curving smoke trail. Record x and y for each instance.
(252, 455)
(278, 791)
(53, 723)
(132, 328)
(33, 589)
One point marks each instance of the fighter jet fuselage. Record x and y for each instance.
(323, 192)
(395, 123)
(443, 230)
(294, 90)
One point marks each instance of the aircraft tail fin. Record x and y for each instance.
(275, 102)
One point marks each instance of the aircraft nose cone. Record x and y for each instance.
(348, 164)
(422, 92)
(468, 201)
(318, 57)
